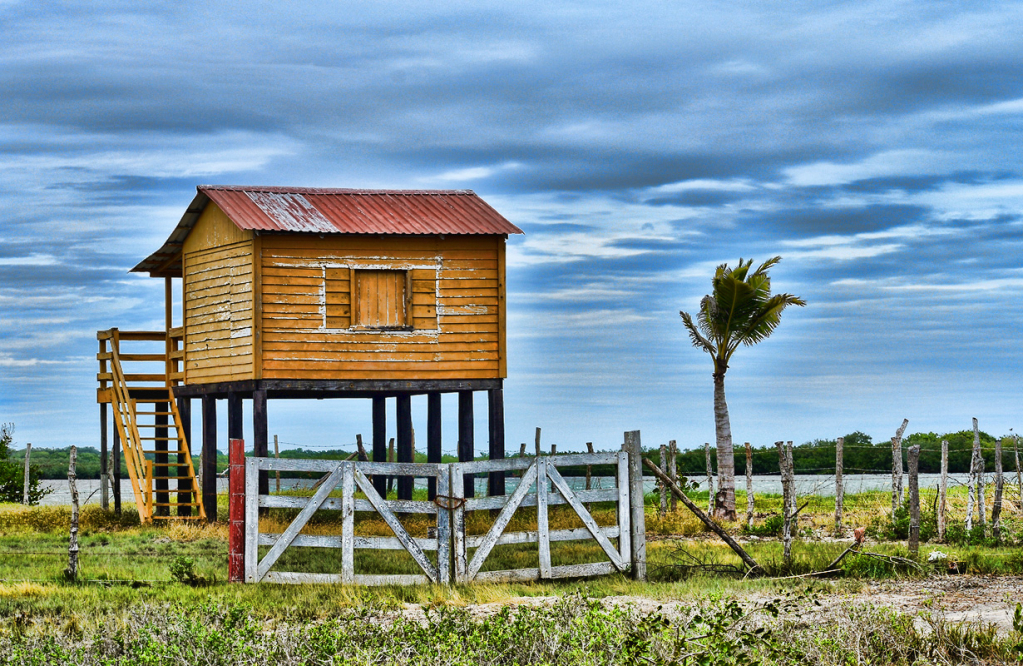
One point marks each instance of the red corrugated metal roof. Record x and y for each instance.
(315, 210)
(333, 211)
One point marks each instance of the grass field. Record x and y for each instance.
(130, 592)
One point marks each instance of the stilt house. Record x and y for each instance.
(311, 293)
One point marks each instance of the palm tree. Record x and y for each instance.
(739, 311)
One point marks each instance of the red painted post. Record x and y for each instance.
(236, 512)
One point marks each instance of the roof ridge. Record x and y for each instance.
(277, 189)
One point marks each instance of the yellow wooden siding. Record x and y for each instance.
(212, 230)
(308, 299)
(218, 316)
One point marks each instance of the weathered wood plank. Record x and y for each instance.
(347, 522)
(622, 480)
(509, 538)
(251, 519)
(491, 503)
(358, 542)
(334, 504)
(542, 526)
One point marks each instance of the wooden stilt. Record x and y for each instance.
(750, 505)
(161, 458)
(466, 438)
(663, 508)
(404, 410)
(495, 402)
(380, 441)
(209, 456)
(115, 454)
(104, 477)
(260, 437)
(434, 437)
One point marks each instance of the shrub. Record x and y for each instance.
(769, 528)
(12, 475)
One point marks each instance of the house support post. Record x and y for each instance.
(380, 441)
(160, 459)
(466, 439)
(184, 483)
(404, 414)
(104, 477)
(433, 438)
(495, 402)
(115, 455)
(209, 456)
(260, 445)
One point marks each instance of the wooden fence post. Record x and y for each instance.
(637, 517)
(996, 508)
(1019, 473)
(981, 484)
(673, 473)
(538, 441)
(589, 468)
(972, 482)
(839, 487)
(914, 501)
(898, 445)
(786, 529)
(943, 490)
(554, 449)
(236, 512)
(522, 450)
(710, 479)
(277, 455)
(896, 475)
(750, 506)
(663, 508)
(792, 485)
(28, 455)
(72, 547)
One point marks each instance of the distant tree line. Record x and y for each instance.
(860, 456)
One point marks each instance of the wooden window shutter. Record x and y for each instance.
(424, 298)
(338, 290)
(381, 299)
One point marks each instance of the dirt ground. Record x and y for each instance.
(970, 599)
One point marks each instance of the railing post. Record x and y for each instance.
(636, 510)
(236, 513)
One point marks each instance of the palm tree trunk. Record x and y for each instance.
(724, 501)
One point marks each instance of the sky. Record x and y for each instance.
(875, 146)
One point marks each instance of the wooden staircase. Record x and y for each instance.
(149, 425)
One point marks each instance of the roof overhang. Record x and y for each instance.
(332, 211)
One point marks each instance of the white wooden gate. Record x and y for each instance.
(540, 486)
(349, 476)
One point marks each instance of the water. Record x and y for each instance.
(806, 484)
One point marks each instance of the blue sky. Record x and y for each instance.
(875, 146)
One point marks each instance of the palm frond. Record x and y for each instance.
(698, 340)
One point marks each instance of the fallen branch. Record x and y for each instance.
(714, 527)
